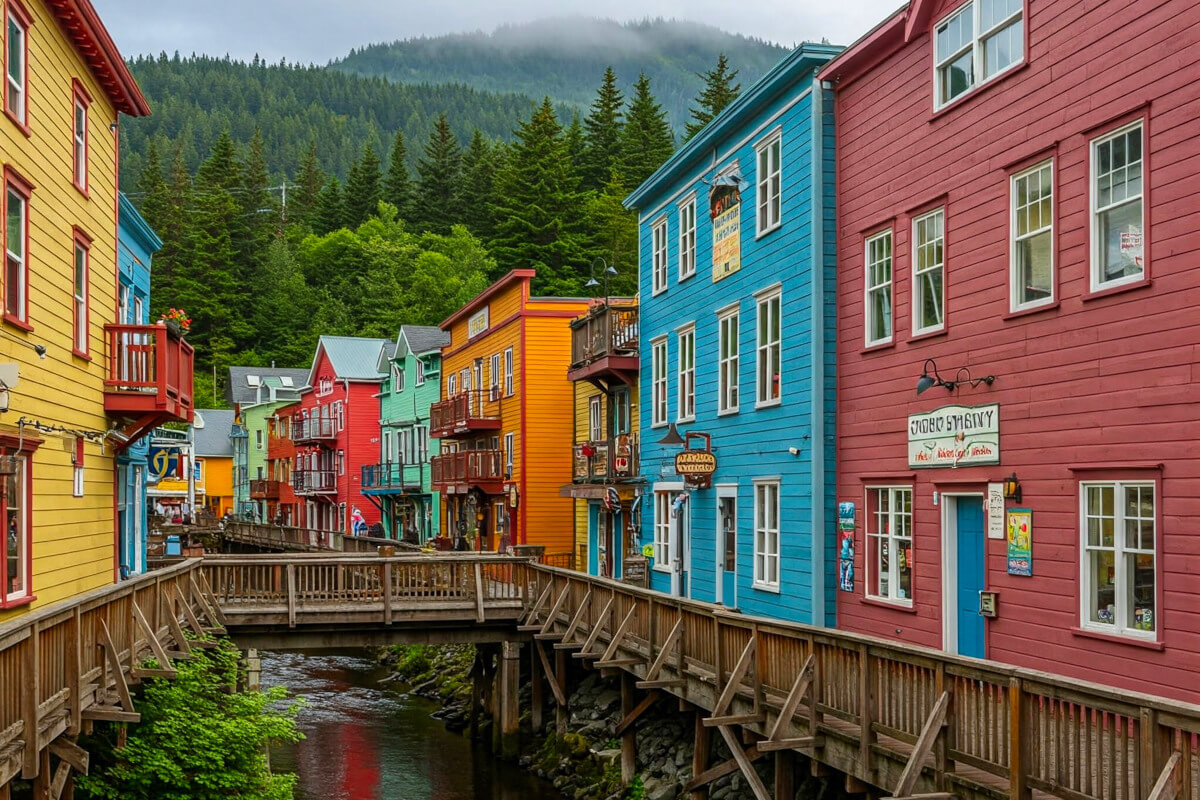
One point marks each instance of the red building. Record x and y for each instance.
(281, 462)
(1017, 236)
(335, 429)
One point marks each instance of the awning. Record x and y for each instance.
(595, 491)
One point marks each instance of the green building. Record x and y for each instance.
(399, 482)
(257, 393)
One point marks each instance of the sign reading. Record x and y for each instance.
(478, 323)
(954, 436)
(164, 462)
(725, 208)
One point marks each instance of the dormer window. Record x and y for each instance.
(979, 41)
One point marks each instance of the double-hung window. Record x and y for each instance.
(929, 301)
(769, 183)
(976, 43)
(658, 256)
(1118, 213)
(79, 138)
(16, 63)
(494, 376)
(420, 367)
(727, 361)
(687, 373)
(766, 535)
(398, 377)
(658, 380)
(1032, 246)
(80, 293)
(16, 542)
(595, 419)
(662, 530)
(768, 347)
(1118, 569)
(508, 372)
(687, 237)
(16, 246)
(889, 543)
(878, 313)
(451, 385)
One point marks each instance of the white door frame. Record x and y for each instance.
(725, 491)
(949, 505)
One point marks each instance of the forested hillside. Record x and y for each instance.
(561, 57)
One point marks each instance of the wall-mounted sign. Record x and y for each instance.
(695, 463)
(995, 510)
(164, 462)
(725, 208)
(478, 323)
(1020, 541)
(954, 436)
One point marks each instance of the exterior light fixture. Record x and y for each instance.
(1012, 488)
(672, 439)
(4, 397)
(606, 273)
(962, 376)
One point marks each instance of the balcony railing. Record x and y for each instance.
(465, 413)
(149, 373)
(606, 460)
(468, 467)
(393, 475)
(610, 330)
(313, 430)
(264, 490)
(320, 481)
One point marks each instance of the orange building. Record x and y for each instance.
(505, 418)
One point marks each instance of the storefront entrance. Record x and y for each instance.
(726, 538)
(964, 574)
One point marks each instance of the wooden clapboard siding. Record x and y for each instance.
(73, 537)
(584, 392)
(753, 443)
(1094, 381)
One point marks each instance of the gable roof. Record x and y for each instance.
(420, 339)
(210, 432)
(514, 276)
(240, 390)
(352, 358)
(386, 354)
(878, 43)
(82, 26)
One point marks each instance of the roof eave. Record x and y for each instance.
(877, 44)
(514, 276)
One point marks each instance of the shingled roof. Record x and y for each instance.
(210, 432)
(421, 339)
(243, 389)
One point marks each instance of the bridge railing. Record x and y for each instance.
(1010, 730)
(282, 537)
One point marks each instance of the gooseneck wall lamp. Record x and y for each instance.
(672, 439)
(962, 376)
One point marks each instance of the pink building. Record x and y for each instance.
(1018, 237)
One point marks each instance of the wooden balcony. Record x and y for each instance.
(604, 346)
(610, 460)
(149, 379)
(455, 473)
(465, 414)
(316, 429)
(264, 489)
(392, 476)
(319, 481)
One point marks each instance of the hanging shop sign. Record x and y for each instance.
(725, 208)
(164, 462)
(696, 465)
(1020, 541)
(954, 436)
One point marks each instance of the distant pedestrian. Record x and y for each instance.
(358, 523)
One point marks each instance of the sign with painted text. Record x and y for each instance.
(478, 323)
(954, 436)
(695, 463)
(725, 209)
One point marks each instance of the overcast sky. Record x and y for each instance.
(317, 30)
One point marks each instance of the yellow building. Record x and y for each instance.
(64, 85)
(605, 484)
(504, 418)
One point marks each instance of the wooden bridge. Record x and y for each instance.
(897, 720)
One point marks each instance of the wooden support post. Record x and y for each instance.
(719, 718)
(866, 714)
(476, 694)
(74, 668)
(30, 696)
(560, 697)
(701, 747)
(744, 763)
(629, 734)
(1154, 744)
(537, 697)
(291, 595)
(923, 747)
(510, 684)
(1020, 743)
(785, 775)
(561, 711)
(41, 781)
(479, 617)
(387, 592)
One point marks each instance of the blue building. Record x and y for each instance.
(136, 244)
(737, 249)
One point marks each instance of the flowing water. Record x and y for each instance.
(369, 741)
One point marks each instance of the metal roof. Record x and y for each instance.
(210, 432)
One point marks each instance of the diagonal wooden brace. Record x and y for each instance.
(114, 662)
(800, 689)
(1168, 784)
(552, 617)
(560, 696)
(743, 762)
(615, 643)
(597, 627)
(531, 613)
(160, 653)
(666, 650)
(735, 679)
(934, 725)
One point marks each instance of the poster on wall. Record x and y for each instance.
(846, 546)
(725, 209)
(954, 436)
(1020, 541)
(995, 510)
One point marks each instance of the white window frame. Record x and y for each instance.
(878, 253)
(451, 385)
(494, 375)
(16, 83)
(508, 372)
(79, 293)
(768, 194)
(687, 237)
(1097, 246)
(663, 501)
(658, 381)
(339, 415)
(766, 533)
(1045, 177)
(258, 439)
(595, 419)
(918, 274)
(658, 255)
(685, 375)
(398, 377)
(764, 350)
(976, 46)
(510, 442)
(1123, 590)
(872, 531)
(728, 378)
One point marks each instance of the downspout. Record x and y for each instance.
(345, 453)
(817, 357)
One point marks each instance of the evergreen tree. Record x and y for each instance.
(397, 184)
(151, 187)
(602, 133)
(258, 209)
(719, 91)
(309, 181)
(539, 208)
(440, 172)
(363, 190)
(478, 183)
(172, 227)
(613, 231)
(646, 140)
(331, 209)
(574, 141)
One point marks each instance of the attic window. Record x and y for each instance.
(286, 381)
(253, 381)
(980, 40)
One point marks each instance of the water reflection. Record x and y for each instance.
(367, 742)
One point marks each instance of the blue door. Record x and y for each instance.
(727, 547)
(971, 568)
